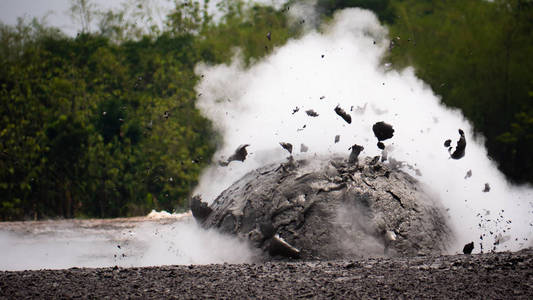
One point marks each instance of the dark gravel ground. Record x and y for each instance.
(502, 275)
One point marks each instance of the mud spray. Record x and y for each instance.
(340, 64)
(265, 104)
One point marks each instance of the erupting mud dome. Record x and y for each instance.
(329, 208)
(331, 82)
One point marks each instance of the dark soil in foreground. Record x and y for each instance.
(482, 276)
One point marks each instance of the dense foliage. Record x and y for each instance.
(105, 124)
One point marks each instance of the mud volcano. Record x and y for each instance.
(328, 208)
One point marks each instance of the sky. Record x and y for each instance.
(56, 12)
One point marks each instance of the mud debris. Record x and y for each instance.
(383, 131)
(354, 155)
(287, 146)
(460, 147)
(311, 113)
(344, 115)
(467, 249)
(200, 210)
(239, 155)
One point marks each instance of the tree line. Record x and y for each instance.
(104, 124)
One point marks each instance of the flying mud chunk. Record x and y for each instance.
(199, 209)
(311, 113)
(295, 110)
(327, 208)
(460, 147)
(337, 138)
(303, 148)
(354, 155)
(345, 116)
(382, 131)
(239, 155)
(487, 188)
(467, 249)
(287, 146)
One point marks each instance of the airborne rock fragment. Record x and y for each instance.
(287, 146)
(356, 150)
(311, 113)
(295, 110)
(343, 114)
(239, 154)
(383, 131)
(460, 147)
(199, 209)
(467, 249)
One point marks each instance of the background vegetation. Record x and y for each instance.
(104, 124)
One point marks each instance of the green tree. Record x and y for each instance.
(105, 124)
(474, 54)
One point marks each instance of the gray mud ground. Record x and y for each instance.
(481, 276)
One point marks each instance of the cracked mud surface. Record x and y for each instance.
(501, 275)
(329, 209)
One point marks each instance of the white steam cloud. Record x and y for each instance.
(341, 65)
(121, 242)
